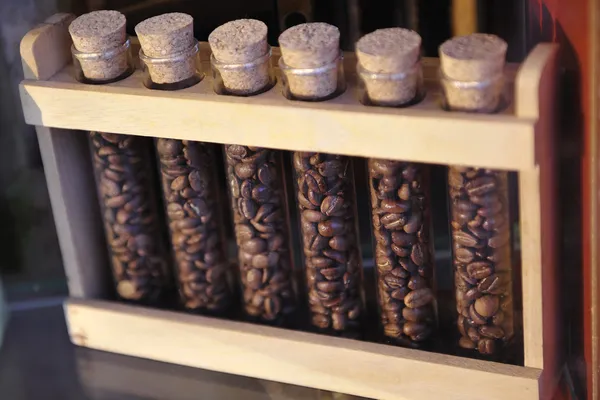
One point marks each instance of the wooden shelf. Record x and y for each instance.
(423, 132)
(299, 358)
(520, 138)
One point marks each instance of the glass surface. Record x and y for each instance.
(313, 84)
(98, 68)
(403, 250)
(128, 200)
(328, 226)
(246, 79)
(260, 217)
(174, 72)
(193, 209)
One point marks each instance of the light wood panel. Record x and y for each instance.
(319, 361)
(422, 133)
(67, 166)
(535, 98)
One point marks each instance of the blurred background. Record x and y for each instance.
(30, 262)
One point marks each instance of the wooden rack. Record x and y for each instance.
(518, 139)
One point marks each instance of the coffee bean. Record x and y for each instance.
(236, 152)
(332, 205)
(418, 254)
(339, 243)
(490, 210)
(394, 206)
(481, 186)
(399, 219)
(487, 306)
(313, 216)
(403, 239)
(414, 329)
(486, 346)
(332, 227)
(418, 298)
(256, 199)
(417, 282)
(130, 218)
(464, 255)
(315, 181)
(394, 282)
(245, 170)
(479, 269)
(416, 314)
(500, 240)
(466, 343)
(464, 239)
(475, 316)
(414, 223)
(325, 199)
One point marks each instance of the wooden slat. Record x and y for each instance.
(319, 361)
(421, 133)
(45, 49)
(67, 166)
(536, 97)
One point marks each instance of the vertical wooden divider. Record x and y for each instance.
(535, 97)
(45, 50)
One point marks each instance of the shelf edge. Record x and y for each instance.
(319, 361)
(437, 137)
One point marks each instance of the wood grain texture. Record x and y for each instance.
(319, 361)
(66, 158)
(422, 133)
(536, 97)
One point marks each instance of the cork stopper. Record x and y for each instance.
(474, 57)
(473, 68)
(240, 41)
(166, 34)
(243, 41)
(168, 46)
(98, 31)
(310, 45)
(390, 50)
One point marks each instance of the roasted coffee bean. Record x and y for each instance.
(418, 298)
(245, 170)
(399, 219)
(481, 237)
(192, 202)
(332, 227)
(479, 270)
(487, 306)
(332, 205)
(463, 255)
(326, 199)
(466, 343)
(420, 314)
(486, 346)
(339, 243)
(464, 239)
(314, 216)
(139, 259)
(403, 239)
(481, 240)
(261, 229)
(481, 186)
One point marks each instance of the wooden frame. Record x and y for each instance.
(518, 139)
